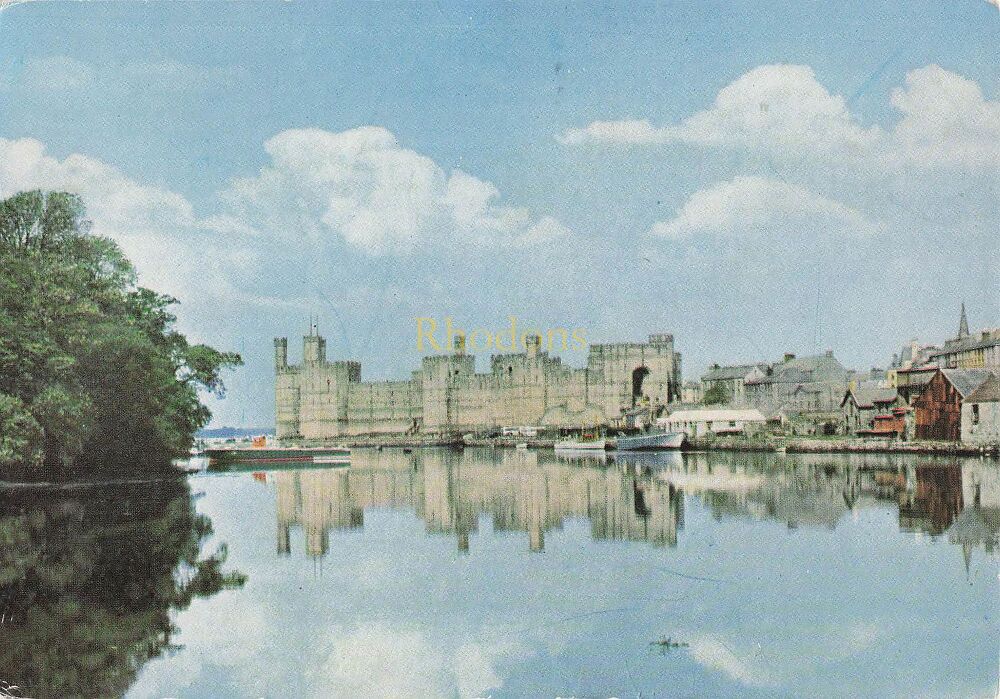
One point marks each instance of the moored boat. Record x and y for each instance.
(650, 441)
(584, 444)
(252, 457)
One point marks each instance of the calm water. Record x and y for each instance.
(516, 574)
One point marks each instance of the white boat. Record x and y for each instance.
(650, 441)
(521, 445)
(582, 445)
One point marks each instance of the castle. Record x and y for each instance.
(318, 400)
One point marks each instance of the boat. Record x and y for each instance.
(587, 442)
(227, 458)
(521, 445)
(650, 441)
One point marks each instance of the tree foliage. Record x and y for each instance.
(92, 371)
(717, 394)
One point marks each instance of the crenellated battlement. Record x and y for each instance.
(318, 399)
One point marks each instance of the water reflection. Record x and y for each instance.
(632, 497)
(89, 577)
(417, 575)
(520, 491)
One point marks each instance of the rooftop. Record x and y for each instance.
(987, 392)
(966, 381)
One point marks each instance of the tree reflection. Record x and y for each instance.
(89, 576)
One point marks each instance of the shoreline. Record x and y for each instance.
(775, 445)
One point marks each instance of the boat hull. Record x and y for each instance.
(599, 445)
(650, 442)
(226, 459)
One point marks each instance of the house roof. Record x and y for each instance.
(971, 343)
(735, 371)
(817, 368)
(987, 392)
(966, 381)
(867, 395)
(720, 415)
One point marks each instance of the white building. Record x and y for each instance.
(981, 413)
(697, 423)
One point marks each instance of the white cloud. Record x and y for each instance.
(362, 187)
(946, 121)
(772, 107)
(618, 132)
(782, 111)
(746, 206)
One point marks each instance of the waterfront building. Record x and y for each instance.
(981, 413)
(939, 409)
(318, 400)
(699, 423)
(862, 402)
(812, 384)
(910, 383)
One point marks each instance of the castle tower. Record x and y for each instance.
(280, 353)
(313, 348)
(963, 325)
(532, 343)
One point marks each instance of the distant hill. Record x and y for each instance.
(229, 432)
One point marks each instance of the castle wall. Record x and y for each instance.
(323, 400)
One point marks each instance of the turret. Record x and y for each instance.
(313, 349)
(532, 343)
(280, 353)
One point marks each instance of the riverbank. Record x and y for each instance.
(795, 445)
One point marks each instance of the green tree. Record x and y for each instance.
(717, 394)
(91, 358)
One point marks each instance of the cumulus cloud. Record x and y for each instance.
(777, 107)
(361, 186)
(783, 111)
(745, 206)
(946, 121)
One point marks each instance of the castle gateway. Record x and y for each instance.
(318, 399)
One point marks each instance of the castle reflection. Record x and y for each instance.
(449, 490)
(634, 497)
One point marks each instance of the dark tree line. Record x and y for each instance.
(92, 372)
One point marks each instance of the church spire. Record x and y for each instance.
(963, 325)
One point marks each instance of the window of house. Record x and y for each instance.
(732, 423)
(975, 413)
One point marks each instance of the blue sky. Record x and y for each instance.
(754, 179)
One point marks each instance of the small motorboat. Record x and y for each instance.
(586, 442)
(650, 441)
